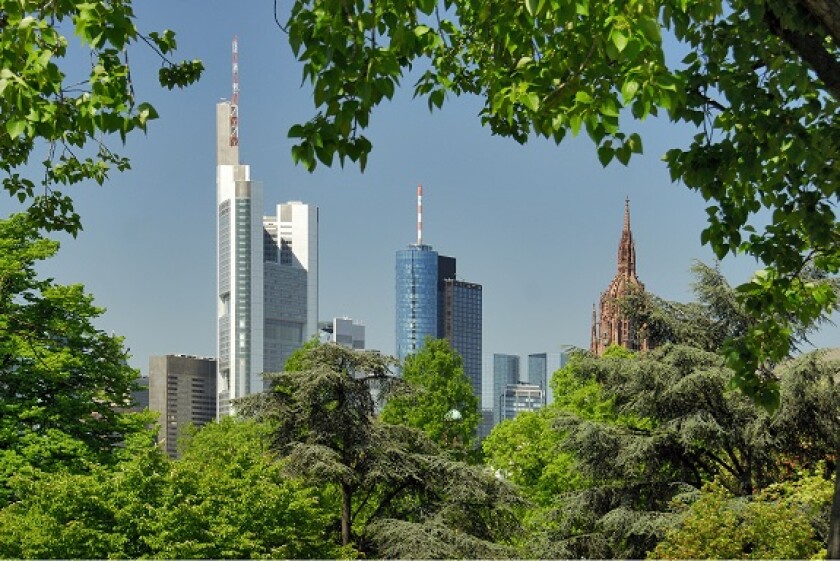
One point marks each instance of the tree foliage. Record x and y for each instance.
(226, 498)
(442, 403)
(72, 117)
(62, 380)
(759, 85)
(777, 523)
(325, 431)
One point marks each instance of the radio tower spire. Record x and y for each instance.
(419, 215)
(234, 100)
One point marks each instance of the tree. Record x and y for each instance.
(62, 380)
(225, 498)
(392, 480)
(443, 404)
(71, 117)
(759, 84)
(527, 451)
(774, 524)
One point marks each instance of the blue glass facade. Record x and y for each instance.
(461, 314)
(417, 298)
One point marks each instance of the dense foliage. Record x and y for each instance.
(440, 399)
(62, 380)
(399, 494)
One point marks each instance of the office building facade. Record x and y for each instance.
(519, 397)
(416, 298)
(290, 303)
(505, 372)
(541, 366)
(182, 390)
(461, 311)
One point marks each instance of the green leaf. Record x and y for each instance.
(628, 90)
(618, 39)
(605, 154)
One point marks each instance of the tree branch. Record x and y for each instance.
(827, 12)
(811, 49)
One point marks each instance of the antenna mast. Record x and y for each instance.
(419, 215)
(234, 100)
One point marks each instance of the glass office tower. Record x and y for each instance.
(417, 298)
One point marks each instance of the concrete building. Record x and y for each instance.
(182, 390)
(505, 373)
(540, 368)
(519, 397)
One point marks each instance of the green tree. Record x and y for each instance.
(759, 84)
(71, 117)
(774, 524)
(399, 496)
(62, 380)
(442, 403)
(527, 451)
(226, 498)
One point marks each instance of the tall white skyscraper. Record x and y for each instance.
(267, 274)
(240, 268)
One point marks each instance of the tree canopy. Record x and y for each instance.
(71, 118)
(399, 495)
(759, 83)
(442, 403)
(62, 380)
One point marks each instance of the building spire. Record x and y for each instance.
(419, 215)
(234, 100)
(626, 248)
(593, 341)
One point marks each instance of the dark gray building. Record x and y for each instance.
(462, 320)
(182, 390)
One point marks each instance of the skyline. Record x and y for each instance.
(537, 225)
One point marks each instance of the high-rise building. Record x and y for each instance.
(290, 303)
(540, 368)
(505, 373)
(417, 298)
(612, 326)
(431, 302)
(267, 277)
(462, 319)
(240, 267)
(182, 390)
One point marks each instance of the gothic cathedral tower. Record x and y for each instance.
(611, 327)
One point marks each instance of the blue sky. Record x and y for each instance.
(537, 225)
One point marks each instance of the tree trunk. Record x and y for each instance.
(834, 519)
(346, 502)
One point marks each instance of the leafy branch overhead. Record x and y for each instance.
(760, 84)
(40, 105)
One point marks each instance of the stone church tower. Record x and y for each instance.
(610, 327)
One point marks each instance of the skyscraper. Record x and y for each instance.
(505, 373)
(267, 276)
(240, 267)
(541, 366)
(290, 252)
(462, 319)
(430, 301)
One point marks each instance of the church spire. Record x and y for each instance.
(626, 248)
(593, 341)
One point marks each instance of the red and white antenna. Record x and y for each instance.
(234, 100)
(419, 215)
